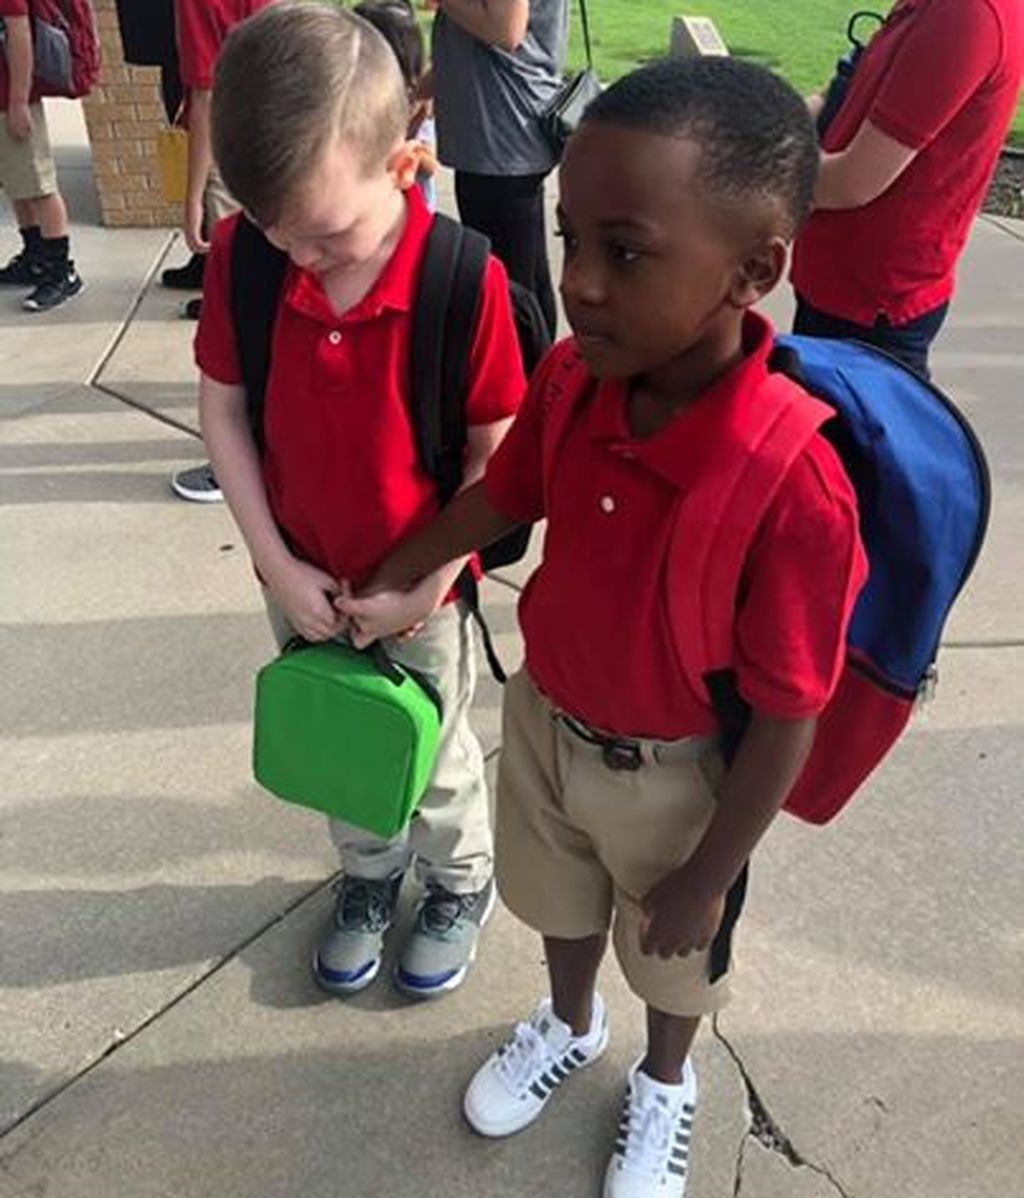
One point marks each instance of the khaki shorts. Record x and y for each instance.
(578, 845)
(27, 171)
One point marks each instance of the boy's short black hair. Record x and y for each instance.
(396, 21)
(755, 134)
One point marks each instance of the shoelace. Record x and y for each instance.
(524, 1057)
(364, 905)
(649, 1140)
(443, 910)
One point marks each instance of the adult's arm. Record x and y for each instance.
(18, 49)
(500, 23)
(869, 166)
(200, 160)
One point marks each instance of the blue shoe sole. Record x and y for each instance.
(338, 983)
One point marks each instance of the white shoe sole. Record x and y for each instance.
(457, 978)
(495, 1131)
(34, 311)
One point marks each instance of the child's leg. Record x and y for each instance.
(572, 970)
(669, 1039)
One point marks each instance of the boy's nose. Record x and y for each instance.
(582, 282)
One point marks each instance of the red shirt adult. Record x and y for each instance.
(941, 77)
(12, 8)
(595, 616)
(202, 27)
(341, 467)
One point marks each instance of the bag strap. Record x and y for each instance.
(585, 23)
(445, 320)
(257, 276)
(716, 526)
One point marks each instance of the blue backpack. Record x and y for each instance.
(923, 491)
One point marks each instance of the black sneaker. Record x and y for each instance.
(23, 270)
(192, 310)
(188, 277)
(58, 282)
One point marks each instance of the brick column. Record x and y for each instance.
(123, 115)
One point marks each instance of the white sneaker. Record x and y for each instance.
(514, 1084)
(652, 1151)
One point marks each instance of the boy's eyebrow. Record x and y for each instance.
(629, 224)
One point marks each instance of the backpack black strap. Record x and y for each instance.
(444, 325)
(257, 276)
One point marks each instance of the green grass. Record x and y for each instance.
(800, 39)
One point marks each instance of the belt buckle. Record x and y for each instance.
(621, 755)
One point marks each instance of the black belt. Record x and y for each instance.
(617, 752)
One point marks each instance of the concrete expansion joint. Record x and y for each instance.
(763, 1129)
(120, 1037)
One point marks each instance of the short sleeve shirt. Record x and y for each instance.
(597, 616)
(11, 8)
(202, 27)
(488, 101)
(341, 465)
(942, 78)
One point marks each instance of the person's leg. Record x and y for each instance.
(450, 835)
(572, 972)
(669, 1040)
(510, 211)
(23, 268)
(30, 178)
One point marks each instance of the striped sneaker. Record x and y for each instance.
(652, 1150)
(514, 1084)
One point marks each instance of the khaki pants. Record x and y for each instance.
(578, 845)
(449, 838)
(27, 170)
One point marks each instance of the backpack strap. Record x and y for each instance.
(715, 528)
(444, 324)
(257, 276)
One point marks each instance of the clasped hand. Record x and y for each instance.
(320, 607)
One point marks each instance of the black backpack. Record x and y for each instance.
(444, 323)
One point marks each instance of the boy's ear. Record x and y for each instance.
(758, 273)
(404, 164)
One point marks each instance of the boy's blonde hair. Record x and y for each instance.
(289, 80)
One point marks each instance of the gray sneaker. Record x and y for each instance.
(348, 958)
(442, 944)
(198, 484)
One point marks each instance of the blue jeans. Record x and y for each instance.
(908, 342)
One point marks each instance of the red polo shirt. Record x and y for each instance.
(202, 27)
(941, 77)
(595, 615)
(341, 467)
(11, 8)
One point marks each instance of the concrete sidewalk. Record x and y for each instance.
(160, 1032)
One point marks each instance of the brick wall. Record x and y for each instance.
(123, 115)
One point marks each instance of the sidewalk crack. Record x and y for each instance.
(763, 1128)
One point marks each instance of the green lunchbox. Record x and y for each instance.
(352, 734)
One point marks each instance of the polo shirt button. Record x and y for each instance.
(334, 337)
(607, 504)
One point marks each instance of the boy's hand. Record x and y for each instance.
(192, 226)
(679, 918)
(19, 121)
(305, 595)
(382, 613)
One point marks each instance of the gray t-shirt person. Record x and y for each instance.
(488, 101)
